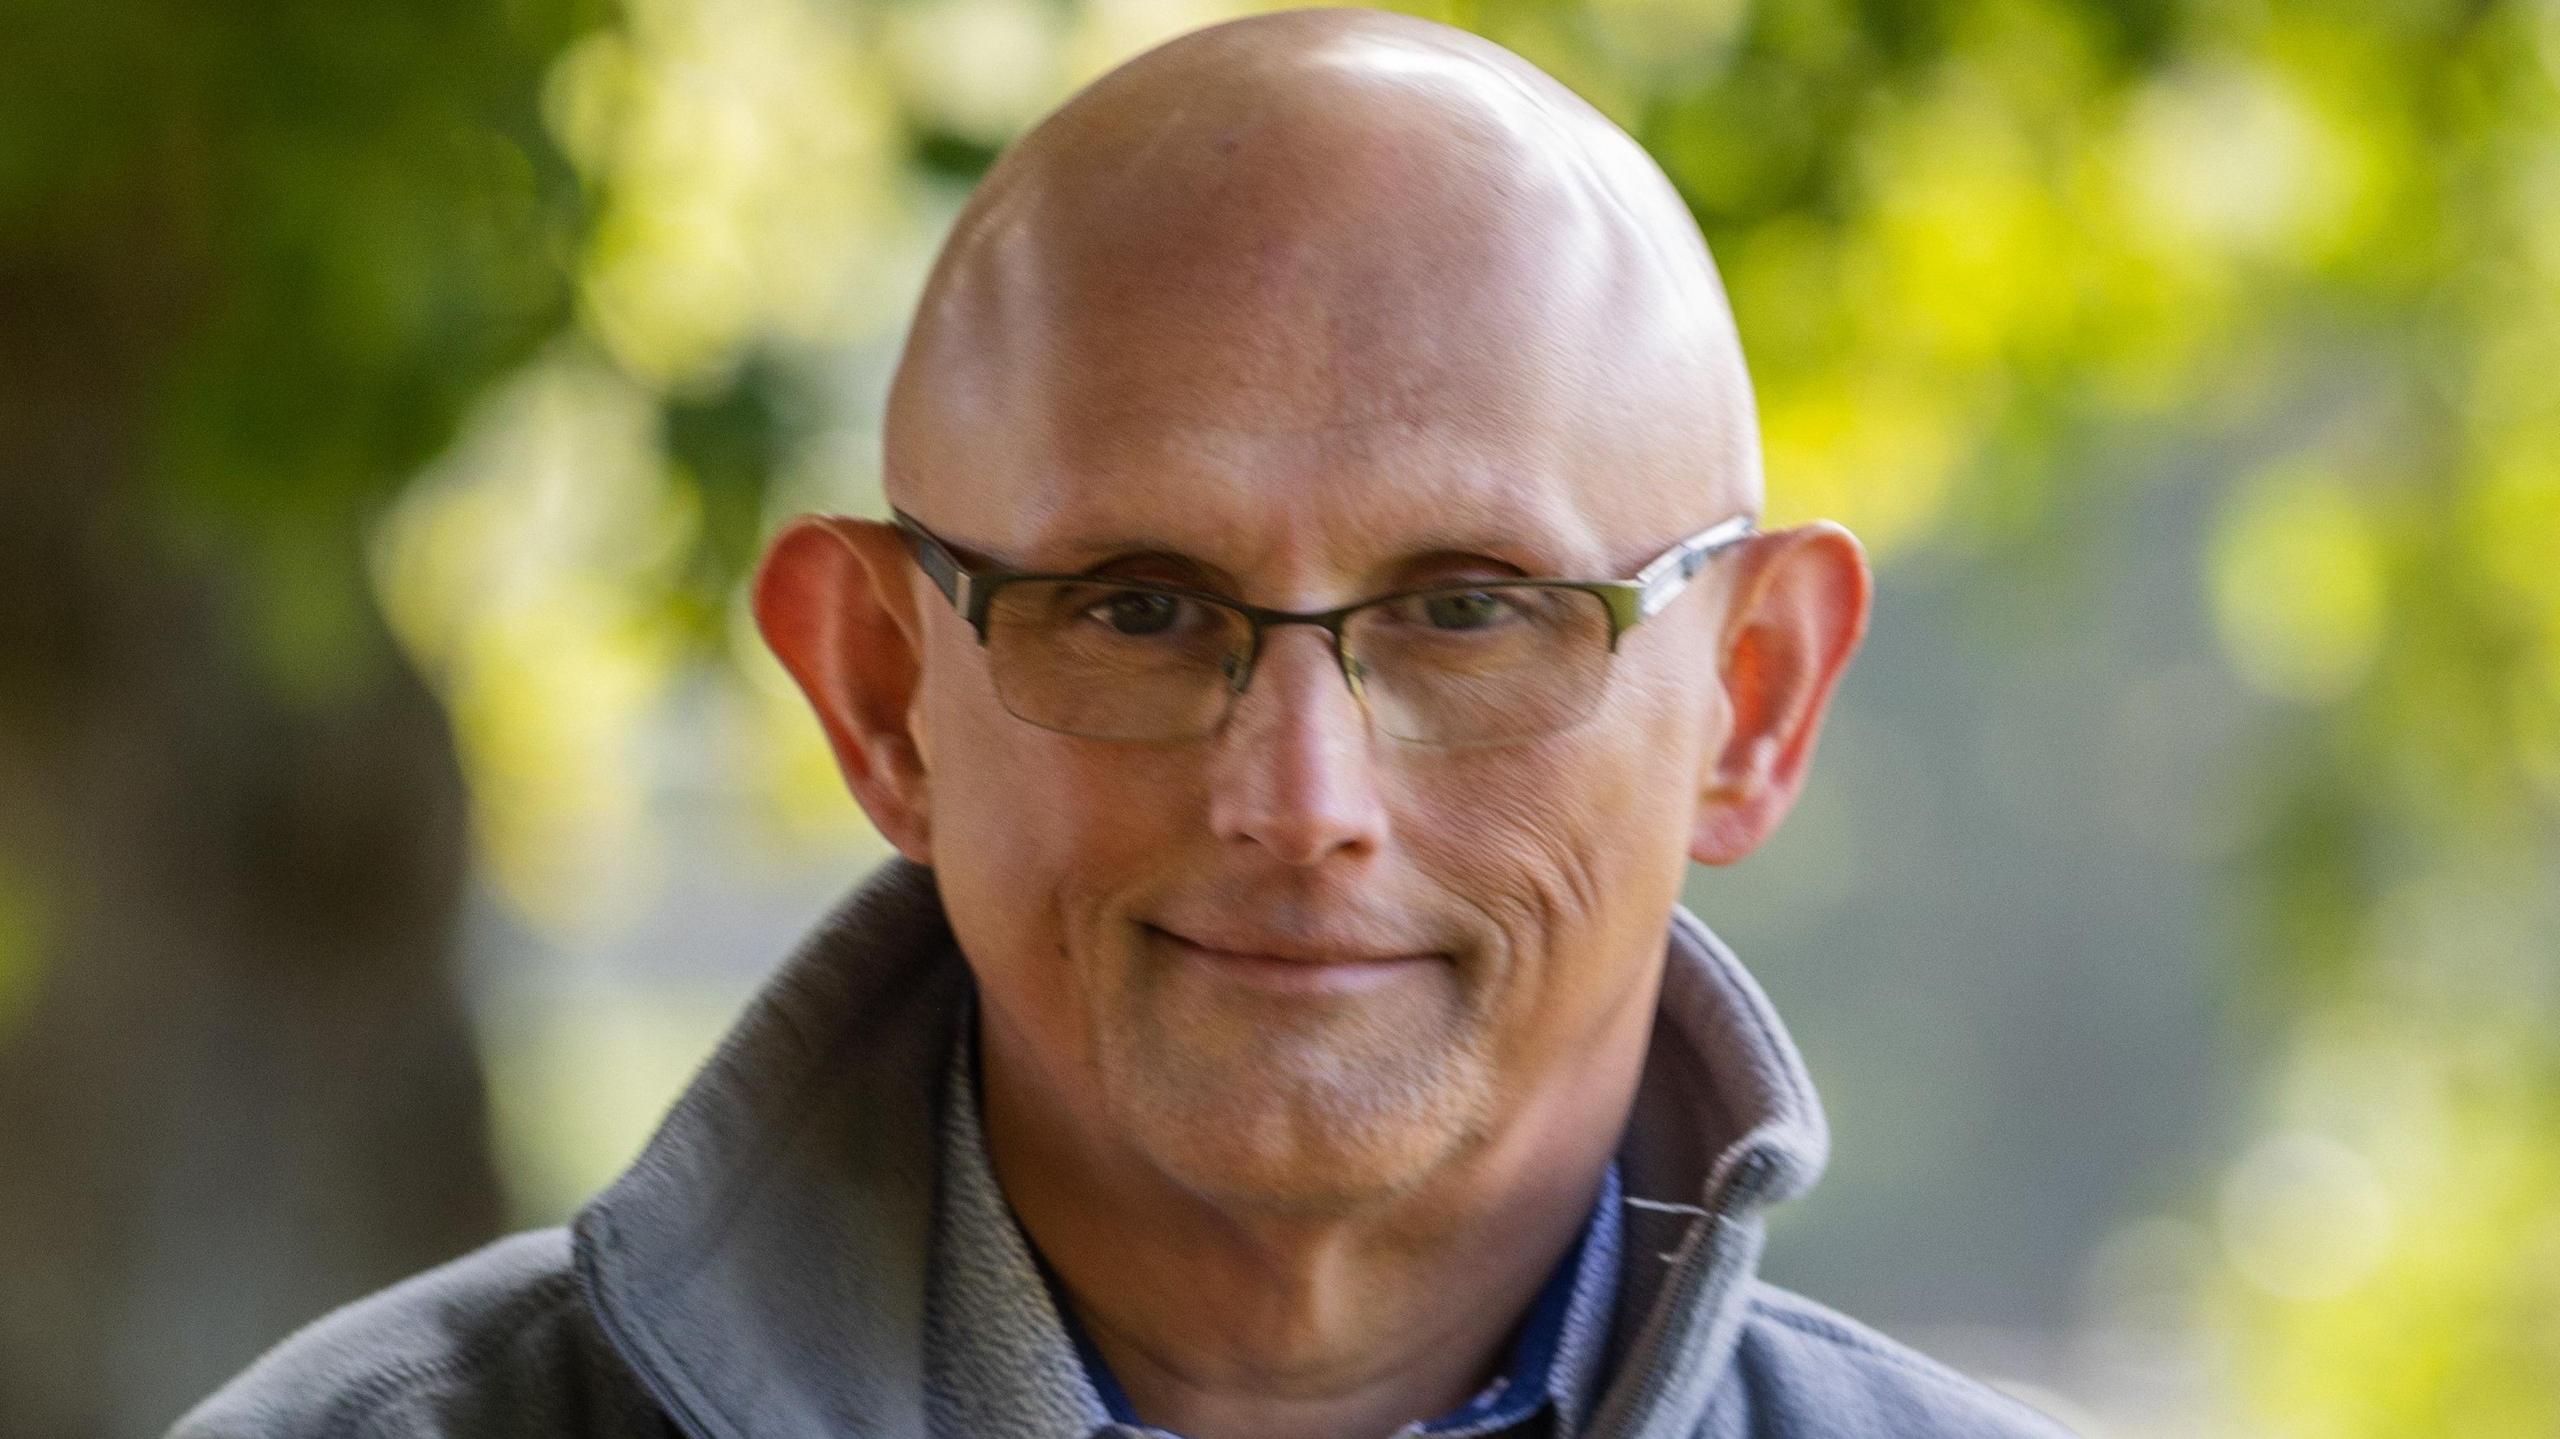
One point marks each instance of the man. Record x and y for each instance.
(1321, 618)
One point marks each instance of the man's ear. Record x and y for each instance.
(832, 599)
(1798, 613)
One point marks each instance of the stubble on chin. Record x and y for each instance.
(1295, 1105)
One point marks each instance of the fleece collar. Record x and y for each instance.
(761, 1265)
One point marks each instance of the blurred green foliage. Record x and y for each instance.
(532, 316)
(319, 230)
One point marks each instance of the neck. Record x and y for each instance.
(1225, 1325)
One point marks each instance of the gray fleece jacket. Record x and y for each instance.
(759, 1271)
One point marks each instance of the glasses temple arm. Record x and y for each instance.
(939, 565)
(1657, 583)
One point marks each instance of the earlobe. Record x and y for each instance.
(832, 601)
(1796, 620)
(1739, 807)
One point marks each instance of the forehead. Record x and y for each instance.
(1339, 498)
(1309, 507)
(1321, 428)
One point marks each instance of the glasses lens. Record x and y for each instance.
(1113, 661)
(1481, 665)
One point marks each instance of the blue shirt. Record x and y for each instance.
(1011, 1360)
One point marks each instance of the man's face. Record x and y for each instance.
(1304, 311)
(1506, 904)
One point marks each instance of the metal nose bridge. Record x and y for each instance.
(1240, 668)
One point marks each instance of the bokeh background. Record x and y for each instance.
(395, 800)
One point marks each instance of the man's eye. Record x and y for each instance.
(1137, 612)
(1463, 610)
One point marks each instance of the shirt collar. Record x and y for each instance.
(1005, 1355)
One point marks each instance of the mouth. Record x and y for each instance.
(1292, 968)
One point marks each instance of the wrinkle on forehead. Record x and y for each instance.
(1266, 238)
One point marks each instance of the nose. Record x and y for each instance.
(1291, 771)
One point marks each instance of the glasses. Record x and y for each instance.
(1459, 665)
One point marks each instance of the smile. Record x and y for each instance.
(1295, 971)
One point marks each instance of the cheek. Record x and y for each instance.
(1575, 849)
(1036, 836)
(1046, 808)
(1008, 795)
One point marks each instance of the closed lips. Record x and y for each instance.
(1250, 947)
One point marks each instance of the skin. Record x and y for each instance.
(1306, 1048)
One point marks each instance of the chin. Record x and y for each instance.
(1295, 1109)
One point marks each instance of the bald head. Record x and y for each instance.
(1322, 223)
